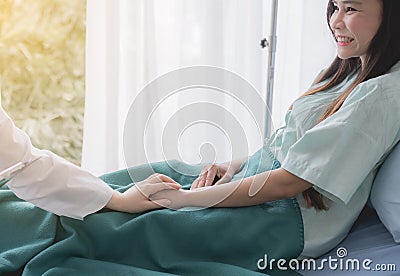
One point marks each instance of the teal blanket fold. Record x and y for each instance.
(214, 241)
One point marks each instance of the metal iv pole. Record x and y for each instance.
(271, 44)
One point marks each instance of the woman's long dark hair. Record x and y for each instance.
(383, 52)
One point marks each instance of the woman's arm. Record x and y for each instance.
(264, 187)
(257, 189)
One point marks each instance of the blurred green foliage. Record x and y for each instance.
(42, 71)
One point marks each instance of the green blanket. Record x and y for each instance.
(214, 241)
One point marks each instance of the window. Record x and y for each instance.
(42, 71)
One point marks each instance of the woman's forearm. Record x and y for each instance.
(257, 189)
(116, 202)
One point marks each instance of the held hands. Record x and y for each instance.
(136, 199)
(184, 198)
(159, 190)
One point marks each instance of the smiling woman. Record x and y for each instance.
(42, 71)
(355, 24)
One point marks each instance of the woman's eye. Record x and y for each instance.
(350, 9)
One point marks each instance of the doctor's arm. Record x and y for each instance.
(60, 187)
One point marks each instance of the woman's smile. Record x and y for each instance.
(344, 40)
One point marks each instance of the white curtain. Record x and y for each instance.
(139, 56)
(131, 43)
(305, 47)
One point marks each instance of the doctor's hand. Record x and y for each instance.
(136, 199)
(215, 174)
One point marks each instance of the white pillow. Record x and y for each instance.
(385, 194)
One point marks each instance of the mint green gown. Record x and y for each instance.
(339, 156)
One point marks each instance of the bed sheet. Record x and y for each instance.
(368, 240)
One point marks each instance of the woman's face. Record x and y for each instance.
(355, 23)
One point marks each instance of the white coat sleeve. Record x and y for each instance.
(50, 183)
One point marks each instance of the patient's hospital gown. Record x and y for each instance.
(340, 155)
(51, 182)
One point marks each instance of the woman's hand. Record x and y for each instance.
(224, 172)
(136, 199)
